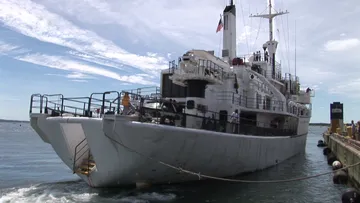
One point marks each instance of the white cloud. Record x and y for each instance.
(79, 80)
(77, 75)
(341, 45)
(347, 88)
(7, 48)
(36, 21)
(181, 23)
(63, 63)
(152, 19)
(4, 47)
(315, 76)
(100, 61)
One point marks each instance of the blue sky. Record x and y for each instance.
(76, 47)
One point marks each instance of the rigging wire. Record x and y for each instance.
(281, 50)
(286, 55)
(251, 48)
(257, 34)
(288, 36)
(283, 55)
(242, 14)
(258, 31)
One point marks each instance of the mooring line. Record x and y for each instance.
(227, 179)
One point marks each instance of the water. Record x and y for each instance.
(30, 171)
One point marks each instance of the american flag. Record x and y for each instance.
(220, 25)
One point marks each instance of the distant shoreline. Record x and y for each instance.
(13, 121)
(319, 124)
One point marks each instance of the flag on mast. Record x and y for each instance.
(220, 25)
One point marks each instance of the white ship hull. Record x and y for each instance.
(211, 153)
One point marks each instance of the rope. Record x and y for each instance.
(226, 179)
(257, 35)
(243, 18)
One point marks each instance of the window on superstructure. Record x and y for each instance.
(258, 100)
(244, 93)
(226, 22)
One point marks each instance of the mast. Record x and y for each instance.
(270, 23)
(271, 45)
(270, 16)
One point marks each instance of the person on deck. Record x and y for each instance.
(353, 129)
(234, 119)
(126, 103)
(266, 56)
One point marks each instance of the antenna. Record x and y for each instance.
(295, 48)
(270, 16)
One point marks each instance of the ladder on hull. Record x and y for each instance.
(84, 162)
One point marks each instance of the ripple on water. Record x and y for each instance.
(78, 191)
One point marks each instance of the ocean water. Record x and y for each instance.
(30, 171)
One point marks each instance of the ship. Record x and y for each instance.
(211, 115)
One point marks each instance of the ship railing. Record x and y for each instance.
(173, 65)
(96, 105)
(254, 103)
(260, 86)
(58, 105)
(145, 92)
(251, 103)
(36, 103)
(277, 75)
(246, 126)
(260, 58)
(202, 67)
(222, 122)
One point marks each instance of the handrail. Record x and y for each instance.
(85, 106)
(212, 115)
(253, 103)
(62, 100)
(244, 126)
(76, 153)
(254, 124)
(32, 101)
(118, 98)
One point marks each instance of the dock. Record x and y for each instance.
(339, 139)
(347, 152)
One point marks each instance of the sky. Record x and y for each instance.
(76, 47)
